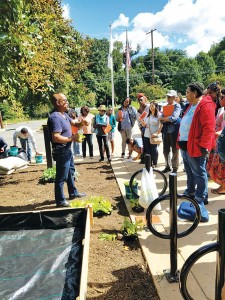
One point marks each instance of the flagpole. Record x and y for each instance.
(127, 63)
(110, 64)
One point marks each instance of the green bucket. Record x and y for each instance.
(129, 194)
(38, 159)
(13, 151)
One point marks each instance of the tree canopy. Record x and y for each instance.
(41, 53)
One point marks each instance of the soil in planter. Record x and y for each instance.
(117, 269)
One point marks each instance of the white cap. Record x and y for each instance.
(172, 93)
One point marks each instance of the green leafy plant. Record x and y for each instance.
(127, 183)
(107, 237)
(133, 202)
(131, 228)
(81, 137)
(99, 204)
(48, 175)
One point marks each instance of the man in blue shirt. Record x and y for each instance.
(59, 125)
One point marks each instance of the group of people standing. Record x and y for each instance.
(190, 127)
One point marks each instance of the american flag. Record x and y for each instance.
(127, 53)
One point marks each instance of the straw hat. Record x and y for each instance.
(102, 107)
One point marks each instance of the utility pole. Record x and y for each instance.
(153, 68)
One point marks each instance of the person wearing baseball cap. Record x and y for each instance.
(171, 121)
(171, 93)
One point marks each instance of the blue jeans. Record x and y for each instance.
(197, 180)
(76, 148)
(64, 172)
(26, 145)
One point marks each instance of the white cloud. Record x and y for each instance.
(66, 11)
(182, 24)
(122, 21)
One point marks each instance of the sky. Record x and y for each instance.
(191, 25)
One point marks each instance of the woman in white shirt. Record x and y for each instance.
(152, 127)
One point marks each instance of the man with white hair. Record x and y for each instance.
(171, 121)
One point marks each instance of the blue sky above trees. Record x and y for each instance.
(191, 25)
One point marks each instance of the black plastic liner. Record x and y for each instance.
(41, 254)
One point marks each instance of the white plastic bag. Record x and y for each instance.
(148, 190)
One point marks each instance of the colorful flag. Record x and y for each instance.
(127, 53)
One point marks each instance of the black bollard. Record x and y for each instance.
(147, 162)
(48, 147)
(220, 261)
(172, 275)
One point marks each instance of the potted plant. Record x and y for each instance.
(129, 194)
(48, 176)
(130, 229)
(135, 206)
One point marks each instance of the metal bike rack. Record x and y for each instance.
(147, 166)
(218, 246)
(172, 275)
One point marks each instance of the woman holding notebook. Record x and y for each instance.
(171, 121)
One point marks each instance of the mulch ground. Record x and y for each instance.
(117, 270)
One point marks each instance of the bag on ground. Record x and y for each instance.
(148, 190)
(187, 211)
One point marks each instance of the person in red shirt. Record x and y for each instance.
(196, 138)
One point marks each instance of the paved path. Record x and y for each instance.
(201, 282)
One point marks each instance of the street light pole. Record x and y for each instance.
(153, 67)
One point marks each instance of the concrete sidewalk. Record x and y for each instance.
(201, 281)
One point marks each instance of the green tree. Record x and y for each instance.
(188, 72)
(220, 62)
(206, 64)
(41, 52)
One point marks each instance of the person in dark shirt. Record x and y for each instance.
(135, 145)
(59, 125)
(3, 148)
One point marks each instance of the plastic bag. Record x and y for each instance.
(149, 190)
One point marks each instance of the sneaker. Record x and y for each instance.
(78, 195)
(166, 170)
(101, 159)
(63, 204)
(174, 171)
(109, 160)
(123, 155)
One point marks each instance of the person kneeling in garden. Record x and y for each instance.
(135, 145)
